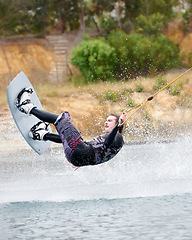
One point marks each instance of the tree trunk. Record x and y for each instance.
(81, 16)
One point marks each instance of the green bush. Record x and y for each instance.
(95, 60)
(177, 89)
(124, 46)
(139, 88)
(165, 54)
(130, 102)
(138, 54)
(147, 115)
(175, 92)
(113, 96)
(160, 83)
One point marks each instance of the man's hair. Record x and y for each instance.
(117, 120)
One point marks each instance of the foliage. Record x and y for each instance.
(130, 103)
(189, 2)
(138, 54)
(142, 7)
(164, 53)
(139, 88)
(160, 82)
(177, 89)
(99, 6)
(95, 60)
(152, 25)
(147, 115)
(143, 52)
(175, 92)
(67, 13)
(107, 23)
(111, 95)
(38, 16)
(186, 23)
(9, 18)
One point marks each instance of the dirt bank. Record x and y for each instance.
(30, 55)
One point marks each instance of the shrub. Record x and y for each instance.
(110, 95)
(138, 54)
(177, 89)
(139, 88)
(160, 83)
(164, 53)
(95, 60)
(147, 115)
(130, 103)
(125, 46)
(175, 92)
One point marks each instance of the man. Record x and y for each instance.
(78, 152)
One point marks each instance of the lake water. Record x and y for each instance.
(143, 193)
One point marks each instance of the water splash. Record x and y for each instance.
(153, 169)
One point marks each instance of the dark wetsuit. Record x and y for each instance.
(81, 153)
(98, 150)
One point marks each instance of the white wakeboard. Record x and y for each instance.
(24, 121)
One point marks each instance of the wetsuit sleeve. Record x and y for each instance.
(110, 138)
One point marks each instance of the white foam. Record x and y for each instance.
(137, 171)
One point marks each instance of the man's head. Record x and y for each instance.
(111, 122)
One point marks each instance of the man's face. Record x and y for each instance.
(110, 123)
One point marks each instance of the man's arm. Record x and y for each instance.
(110, 138)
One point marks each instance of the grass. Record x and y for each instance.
(139, 88)
(111, 95)
(160, 82)
(130, 103)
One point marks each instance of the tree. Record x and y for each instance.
(40, 13)
(152, 25)
(96, 8)
(67, 13)
(8, 17)
(81, 16)
(148, 7)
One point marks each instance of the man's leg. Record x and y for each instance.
(44, 115)
(52, 137)
(69, 134)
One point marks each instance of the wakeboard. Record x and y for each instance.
(23, 121)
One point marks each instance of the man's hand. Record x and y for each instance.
(122, 118)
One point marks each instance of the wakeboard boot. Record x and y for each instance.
(38, 131)
(23, 101)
